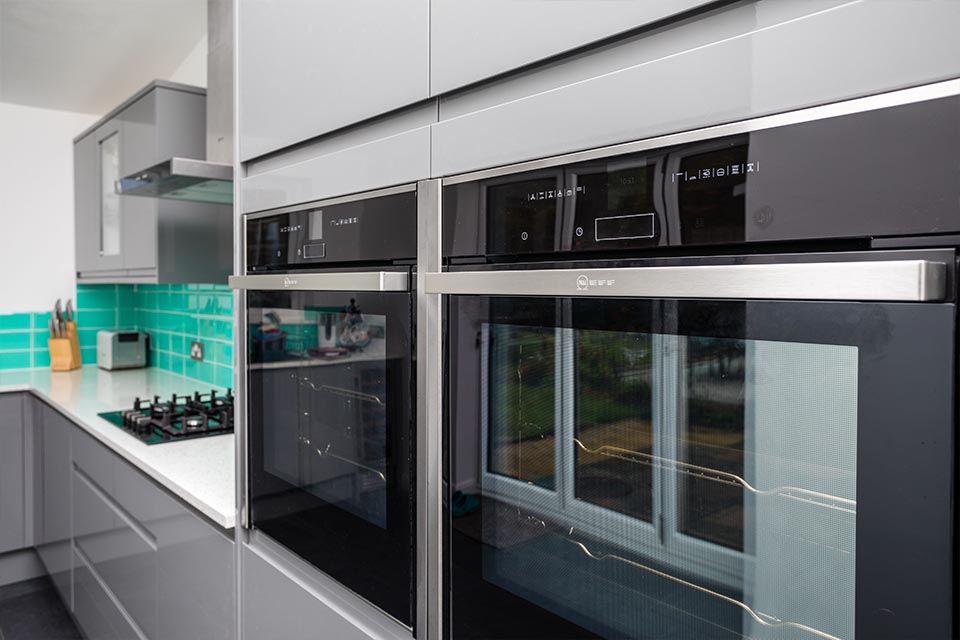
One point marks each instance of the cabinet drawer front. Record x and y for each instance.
(118, 549)
(97, 611)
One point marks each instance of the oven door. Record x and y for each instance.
(330, 426)
(701, 451)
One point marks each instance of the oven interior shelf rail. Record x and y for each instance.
(809, 496)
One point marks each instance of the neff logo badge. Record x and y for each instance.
(584, 283)
(289, 282)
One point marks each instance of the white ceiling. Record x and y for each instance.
(89, 55)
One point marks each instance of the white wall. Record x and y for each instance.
(36, 205)
(37, 263)
(193, 69)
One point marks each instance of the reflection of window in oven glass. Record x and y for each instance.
(613, 431)
(521, 422)
(316, 224)
(712, 209)
(511, 212)
(713, 438)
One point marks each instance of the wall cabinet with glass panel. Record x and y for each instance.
(138, 239)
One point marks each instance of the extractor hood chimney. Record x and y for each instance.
(211, 179)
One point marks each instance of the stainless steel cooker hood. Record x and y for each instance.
(182, 179)
(210, 179)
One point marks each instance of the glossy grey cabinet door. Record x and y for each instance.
(12, 473)
(471, 40)
(742, 61)
(196, 582)
(277, 607)
(138, 151)
(113, 544)
(307, 68)
(165, 572)
(85, 199)
(93, 607)
(52, 497)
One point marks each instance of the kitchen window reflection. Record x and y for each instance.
(691, 472)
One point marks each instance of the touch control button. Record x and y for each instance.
(524, 235)
(315, 250)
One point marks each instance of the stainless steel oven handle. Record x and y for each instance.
(345, 281)
(892, 280)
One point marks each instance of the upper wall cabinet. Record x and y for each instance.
(307, 68)
(139, 239)
(471, 40)
(746, 59)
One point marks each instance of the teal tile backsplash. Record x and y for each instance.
(173, 315)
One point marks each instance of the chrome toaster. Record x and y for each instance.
(122, 349)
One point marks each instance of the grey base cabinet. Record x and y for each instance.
(128, 559)
(12, 473)
(53, 496)
(165, 573)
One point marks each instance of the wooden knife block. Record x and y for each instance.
(65, 352)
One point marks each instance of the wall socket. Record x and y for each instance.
(196, 350)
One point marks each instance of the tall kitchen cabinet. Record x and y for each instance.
(472, 40)
(139, 239)
(308, 68)
(334, 98)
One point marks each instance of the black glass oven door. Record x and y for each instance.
(331, 449)
(666, 468)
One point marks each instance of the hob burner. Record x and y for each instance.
(179, 418)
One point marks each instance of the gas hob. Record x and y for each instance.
(178, 418)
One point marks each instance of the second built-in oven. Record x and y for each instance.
(706, 389)
(329, 367)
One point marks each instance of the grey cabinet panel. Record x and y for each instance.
(167, 572)
(139, 134)
(138, 151)
(307, 68)
(197, 595)
(12, 473)
(398, 159)
(741, 62)
(275, 606)
(89, 200)
(85, 199)
(95, 609)
(53, 529)
(181, 117)
(471, 40)
(117, 548)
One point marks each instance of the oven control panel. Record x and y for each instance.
(882, 172)
(382, 229)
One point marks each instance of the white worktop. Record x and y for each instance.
(200, 471)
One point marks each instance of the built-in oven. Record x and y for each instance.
(704, 387)
(330, 431)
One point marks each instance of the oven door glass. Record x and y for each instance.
(636, 468)
(331, 436)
